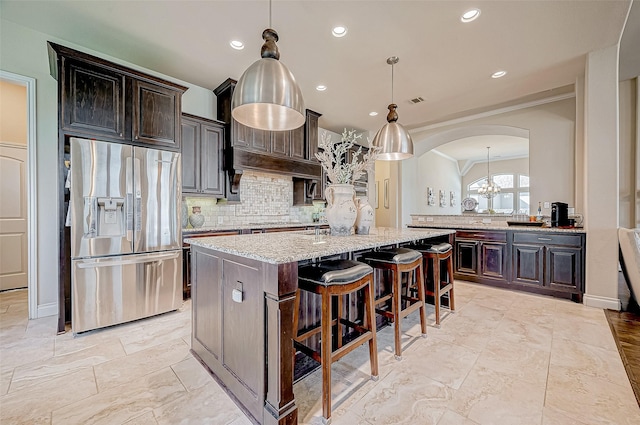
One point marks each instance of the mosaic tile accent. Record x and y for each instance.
(264, 198)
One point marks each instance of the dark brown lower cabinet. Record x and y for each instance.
(536, 261)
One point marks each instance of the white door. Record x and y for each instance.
(13, 217)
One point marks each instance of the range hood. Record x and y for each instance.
(290, 152)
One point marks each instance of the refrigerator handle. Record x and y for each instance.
(87, 264)
(129, 201)
(137, 204)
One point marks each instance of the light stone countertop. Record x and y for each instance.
(287, 247)
(479, 226)
(273, 225)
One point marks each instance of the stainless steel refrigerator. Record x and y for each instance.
(126, 252)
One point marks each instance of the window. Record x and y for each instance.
(513, 196)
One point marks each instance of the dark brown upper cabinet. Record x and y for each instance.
(103, 100)
(202, 155)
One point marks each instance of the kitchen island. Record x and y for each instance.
(243, 290)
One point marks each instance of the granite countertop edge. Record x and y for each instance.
(223, 228)
(463, 226)
(288, 247)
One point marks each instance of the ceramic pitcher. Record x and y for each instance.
(341, 209)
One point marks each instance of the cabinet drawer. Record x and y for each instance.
(547, 239)
(480, 235)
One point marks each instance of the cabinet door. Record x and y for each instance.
(298, 149)
(211, 172)
(156, 114)
(281, 143)
(467, 257)
(243, 323)
(93, 100)
(207, 307)
(528, 262)
(190, 156)
(564, 268)
(493, 258)
(240, 134)
(311, 134)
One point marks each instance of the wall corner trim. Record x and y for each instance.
(602, 302)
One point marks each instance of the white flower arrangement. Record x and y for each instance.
(333, 157)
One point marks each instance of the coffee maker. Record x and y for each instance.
(559, 214)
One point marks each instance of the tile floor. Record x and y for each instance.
(503, 358)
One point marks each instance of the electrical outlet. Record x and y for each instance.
(429, 218)
(547, 204)
(220, 220)
(420, 219)
(486, 221)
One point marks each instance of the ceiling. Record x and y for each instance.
(541, 44)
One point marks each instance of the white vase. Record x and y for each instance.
(341, 209)
(196, 219)
(364, 220)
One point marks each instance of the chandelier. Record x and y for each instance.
(489, 189)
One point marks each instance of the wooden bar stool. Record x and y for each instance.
(438, 253)
(399, 261)
(336, 278)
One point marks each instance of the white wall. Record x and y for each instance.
(430, 170)
(628, 151)
(551, 131)
(24, 52)
(601, 177)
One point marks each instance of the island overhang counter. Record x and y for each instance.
(243, 291)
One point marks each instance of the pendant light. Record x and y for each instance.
(489, 189)
(393, 138)
(267, 96)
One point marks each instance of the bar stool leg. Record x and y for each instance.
(326, 356)
(423, 298)
(397, 309)
(436, 288)
(452, 305)
(371, 318)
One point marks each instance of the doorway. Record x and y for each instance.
(17, 187)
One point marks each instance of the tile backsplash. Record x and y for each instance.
(264, 198)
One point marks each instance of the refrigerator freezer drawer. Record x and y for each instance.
(112, 290)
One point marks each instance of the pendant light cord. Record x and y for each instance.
(270, 14)
(392, 65)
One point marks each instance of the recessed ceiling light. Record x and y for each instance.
(373, 114)
(470, 15)
(498, 74)
(238, 45)
(339, 31)
(321, 87)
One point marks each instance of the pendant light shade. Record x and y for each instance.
(267, 96)
(393, 139)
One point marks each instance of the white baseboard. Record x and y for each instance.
(49, 309)
(601, 302)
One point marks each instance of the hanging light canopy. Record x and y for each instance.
(393, 138)
(489, 189)
(267, 96)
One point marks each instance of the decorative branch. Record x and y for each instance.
(333, 157)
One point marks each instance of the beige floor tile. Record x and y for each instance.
(518, 331)
(598, 335)
(464, 331)
(590, 399)
(551, 416)
(150, 333)
(349, 418)
(489, 398)
(123, 370)
(405, 397)
(120, 404)
(446, 363)
(26, 350)
(206, 405)
(38, 372)
(576, 357)
(34, 405)
(517, 360)
(146, 418)
(5, 380)
(192, 374)
(452, 418)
